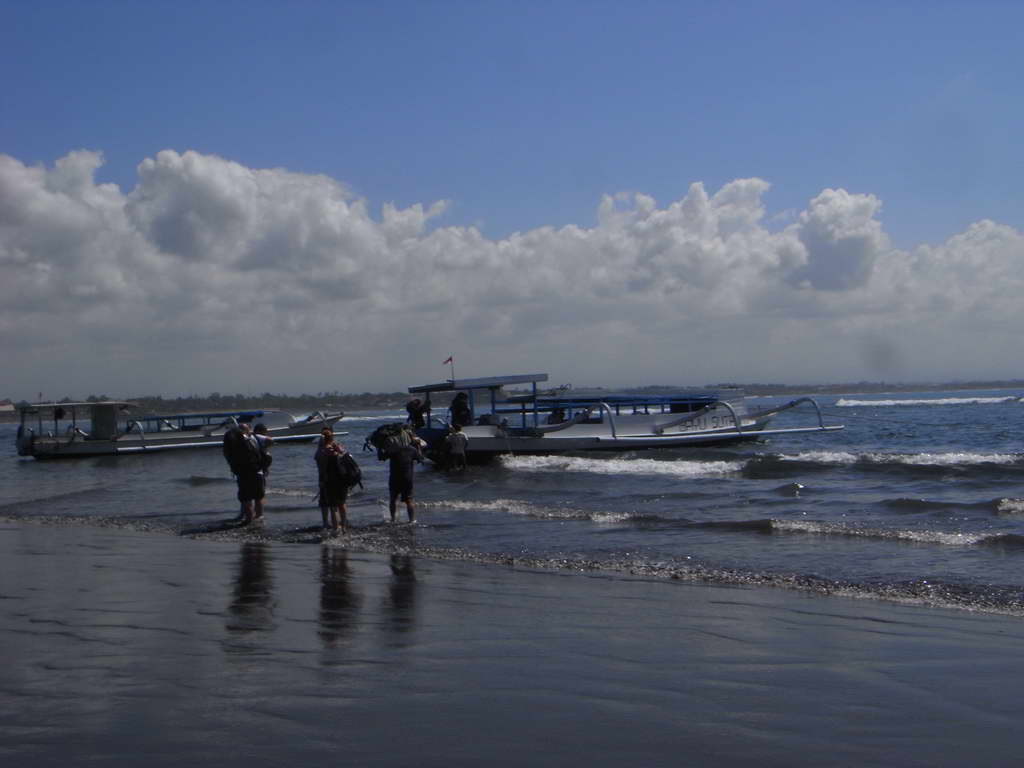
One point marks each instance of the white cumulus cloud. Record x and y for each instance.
(209, 275)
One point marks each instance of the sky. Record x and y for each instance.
(337, 196)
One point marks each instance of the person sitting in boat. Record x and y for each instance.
(557, 416)
(461, 414)
(417, 411)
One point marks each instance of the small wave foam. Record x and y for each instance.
(956, 458)
(1009, 506)
(526, 509)
(295, 493)
(841, 529)
(681, 469)
(812, 460)
(845, 403)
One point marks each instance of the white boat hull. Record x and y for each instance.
(568, 421)
(623, 433)
(74, 446)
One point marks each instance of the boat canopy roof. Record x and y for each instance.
(586, 399)
(491, 382)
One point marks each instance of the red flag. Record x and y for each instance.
(447, 361)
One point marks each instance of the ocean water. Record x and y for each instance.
(919, 499)
(850, 598)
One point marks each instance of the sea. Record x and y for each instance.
(140, 622)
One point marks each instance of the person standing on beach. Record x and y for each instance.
(401, 464)
(264, 441)
(338, 474)
(231, 448)
(321, 457)
(341, 475)
(244, 456)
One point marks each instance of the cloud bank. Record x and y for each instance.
(212, 276)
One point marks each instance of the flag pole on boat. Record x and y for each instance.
(451, 361)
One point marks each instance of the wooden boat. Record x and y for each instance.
(564, 421)
(63, 430)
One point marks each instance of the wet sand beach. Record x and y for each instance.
(126, 647)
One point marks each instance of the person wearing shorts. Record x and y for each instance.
(401, 465)
(247, 464)
(335, 488)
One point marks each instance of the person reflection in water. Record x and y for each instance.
(339, 603)
(252, 606)
(401, 599)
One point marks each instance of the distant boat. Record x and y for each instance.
(565, 421)
(61, 430)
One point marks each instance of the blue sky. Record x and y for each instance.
(523, 116)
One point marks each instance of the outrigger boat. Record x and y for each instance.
(564, 421)
(61, 430)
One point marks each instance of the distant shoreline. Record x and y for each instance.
(390, 401)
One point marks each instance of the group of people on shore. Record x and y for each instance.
(248, 454)
(452, 453)
(247, 450)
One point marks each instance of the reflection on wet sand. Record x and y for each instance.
(339, 602)
(252, 605)
(400, 603)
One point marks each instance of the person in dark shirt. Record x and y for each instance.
(461, 413)
(246, 459)
(337, 482)
(320, 457)
(401, 463)
(417, 410)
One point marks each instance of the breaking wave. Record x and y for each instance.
(845, 403)
(944, 538)
(949, 459)
(769, 465)
(1009, 506)
(684, 469)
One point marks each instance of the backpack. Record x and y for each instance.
(387, 437)
(347, 470)
(240, 453)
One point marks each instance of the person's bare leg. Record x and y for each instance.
(246, 512)
(343, 515)
(324, 515)
(411, 511)
(392, 505)
(258, 509)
